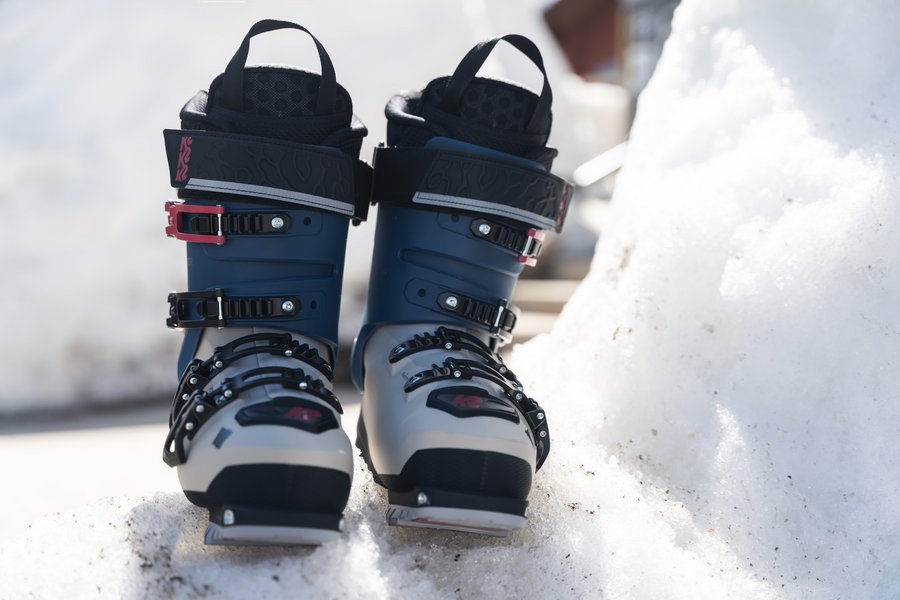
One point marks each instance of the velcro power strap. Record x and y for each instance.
(483, 185)
(255, 167)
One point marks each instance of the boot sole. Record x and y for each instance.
(274, 504)
(430, 507)
(240, 526)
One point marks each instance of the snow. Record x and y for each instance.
(722, 389)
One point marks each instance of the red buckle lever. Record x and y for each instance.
(173, 229)
(532, 247)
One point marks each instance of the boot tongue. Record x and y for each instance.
(278, 102)
(494, 114)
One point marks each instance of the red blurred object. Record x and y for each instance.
(589, 32)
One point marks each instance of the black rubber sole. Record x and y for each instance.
(455, 478)
(274, 504)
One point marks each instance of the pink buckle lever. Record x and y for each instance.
(532, 247)
(173, 229)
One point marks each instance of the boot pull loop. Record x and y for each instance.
(233, 78)
(472, 62)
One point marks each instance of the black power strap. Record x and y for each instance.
(233, 164)
(233, 78)
(422, 178)
(472, 62)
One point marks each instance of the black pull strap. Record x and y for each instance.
(233, 78)
(472, 62)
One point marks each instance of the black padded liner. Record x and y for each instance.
(493, 114)
(279, 102)
(491, 103)
(282, 92)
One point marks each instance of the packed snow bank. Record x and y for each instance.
(736, 344)
(722, 389)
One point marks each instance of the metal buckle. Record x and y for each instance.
(533, 245)
(173, 229)
(502, 307)
(501, 332)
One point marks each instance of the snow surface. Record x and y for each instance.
(722, 389)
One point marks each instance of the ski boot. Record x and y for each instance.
(268, 178)
(464, 194)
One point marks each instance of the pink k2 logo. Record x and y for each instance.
(184, 155)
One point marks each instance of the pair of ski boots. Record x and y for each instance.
(268, 178)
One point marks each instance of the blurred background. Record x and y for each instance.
(86, 89)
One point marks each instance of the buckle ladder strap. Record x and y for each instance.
(202, 405)
(454, 369)
(215, 309)
(449, 340)
(193, 405)
(210, 224)
(422, 177)
(527, 244)
(499, 318)
(262, 168)
(199, 372)
(294, 379)
(458, 368)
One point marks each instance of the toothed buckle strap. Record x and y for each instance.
(199, 372)
(261, 168)
(215, 309)
(450, 340)
(210, 224)
(500, 318)
(202, 405)
(527, 244)
(186, 418)
(454, 369)
(422, 177)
